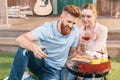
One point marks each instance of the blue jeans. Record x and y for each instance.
(24, 59)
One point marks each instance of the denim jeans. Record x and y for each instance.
(25, 58)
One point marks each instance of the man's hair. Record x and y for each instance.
(72, 10)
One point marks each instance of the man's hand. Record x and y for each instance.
(79, 78)
(39, 53)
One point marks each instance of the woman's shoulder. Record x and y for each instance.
(101, 27)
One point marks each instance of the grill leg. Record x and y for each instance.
(105, 78)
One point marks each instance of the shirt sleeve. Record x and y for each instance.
(76, 39)
(101, 39)
(41, 32)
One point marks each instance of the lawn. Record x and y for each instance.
(5, 64)
(115, 69)
(7, 58)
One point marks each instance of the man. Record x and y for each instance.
(55, 40)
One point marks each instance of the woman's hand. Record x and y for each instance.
(90, 34)
(83, 45)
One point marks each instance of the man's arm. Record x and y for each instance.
(27, 41)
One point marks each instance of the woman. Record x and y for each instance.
(93, 35)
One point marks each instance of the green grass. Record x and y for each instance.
(7, 58)
(5, 64)
(115, 69)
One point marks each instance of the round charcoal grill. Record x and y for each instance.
(89, 70)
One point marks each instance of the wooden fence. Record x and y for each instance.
(3, 13)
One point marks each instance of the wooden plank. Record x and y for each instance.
(111, 8)
(3, 12)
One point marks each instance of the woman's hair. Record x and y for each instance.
(91, 7)
(72, 10)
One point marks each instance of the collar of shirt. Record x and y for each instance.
(55, 30)
(96, 27)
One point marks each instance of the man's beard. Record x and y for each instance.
(65, 30)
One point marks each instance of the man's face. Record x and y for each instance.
(67, 24)
(65, 29)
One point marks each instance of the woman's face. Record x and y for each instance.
(88, 17)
